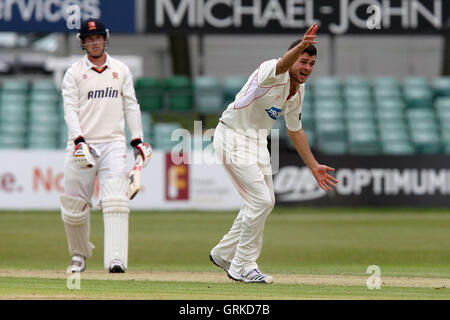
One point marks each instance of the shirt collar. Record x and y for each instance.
(89, 64)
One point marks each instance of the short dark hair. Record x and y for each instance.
(311, 49)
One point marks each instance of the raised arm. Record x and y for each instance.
(292, 55)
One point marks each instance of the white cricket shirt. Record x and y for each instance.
(262, 100)
(96, 101)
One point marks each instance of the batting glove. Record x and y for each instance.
(143, 149)
(82, 155)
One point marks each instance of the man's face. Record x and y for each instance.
(301, 70)
(94, 45)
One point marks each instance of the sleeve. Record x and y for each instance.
(131, 107)
(71, 105)
(293, 117)
(267, 76)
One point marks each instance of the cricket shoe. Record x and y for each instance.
(218, 261)
(252, 276)
(116, 267)
(78, 264)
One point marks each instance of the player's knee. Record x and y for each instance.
(114, 196)
(269, 204)
(74, 210)
(266, 203)
(272, 202)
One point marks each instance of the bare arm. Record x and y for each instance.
(319, 171)
(294, 54)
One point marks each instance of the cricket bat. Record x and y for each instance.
(134, 184)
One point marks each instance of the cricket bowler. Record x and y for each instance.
(276, 87)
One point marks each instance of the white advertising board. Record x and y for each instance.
(33, 180)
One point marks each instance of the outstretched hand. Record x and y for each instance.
(310, 35)
(325, 180)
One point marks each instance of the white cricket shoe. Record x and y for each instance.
(218, 261)
(78, 264)
(253, 276)
(116, 267)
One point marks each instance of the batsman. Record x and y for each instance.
(98, 93)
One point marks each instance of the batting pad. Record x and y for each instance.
(116, 211)
(75, 213)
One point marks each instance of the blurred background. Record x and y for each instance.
(378, 99)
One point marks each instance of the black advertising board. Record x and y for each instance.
(294, 16)
(371, 181)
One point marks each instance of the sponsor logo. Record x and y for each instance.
(336, 16)
(103, 93)
(273, 113)
(296, 184)
(9, 183)
(177, 180)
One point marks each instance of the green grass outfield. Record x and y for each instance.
(314, 253)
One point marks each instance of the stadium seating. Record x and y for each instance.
(11, 141)
(178, 90)
(362, 93)
(43, 85)
(62, 135)
(15, 85)
(150, 93)
(331, 136)
(356, 82)
(397, 148)
(231, 86)
(308, 120)
(14, 98)
(324, 82)
(442, 103)
(162, 136)
(326, 87)
(418, 97)
(208, 95)
(354, 115)
(415, 82)
(441, 86)
(381, 93)
(387, 82)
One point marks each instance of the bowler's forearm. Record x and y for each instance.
(290, 58)
(300, 143)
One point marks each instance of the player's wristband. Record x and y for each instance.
(79, 140)
(135, 142)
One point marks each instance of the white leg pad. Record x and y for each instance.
(75, 213)
(116, 211)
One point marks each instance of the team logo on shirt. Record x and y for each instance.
(273, 113)
(104, 93)
(115, 75)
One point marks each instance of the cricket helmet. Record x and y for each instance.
(92, 27)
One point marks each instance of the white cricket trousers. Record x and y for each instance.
(111, 164)
(80, 183)
(247, 161)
